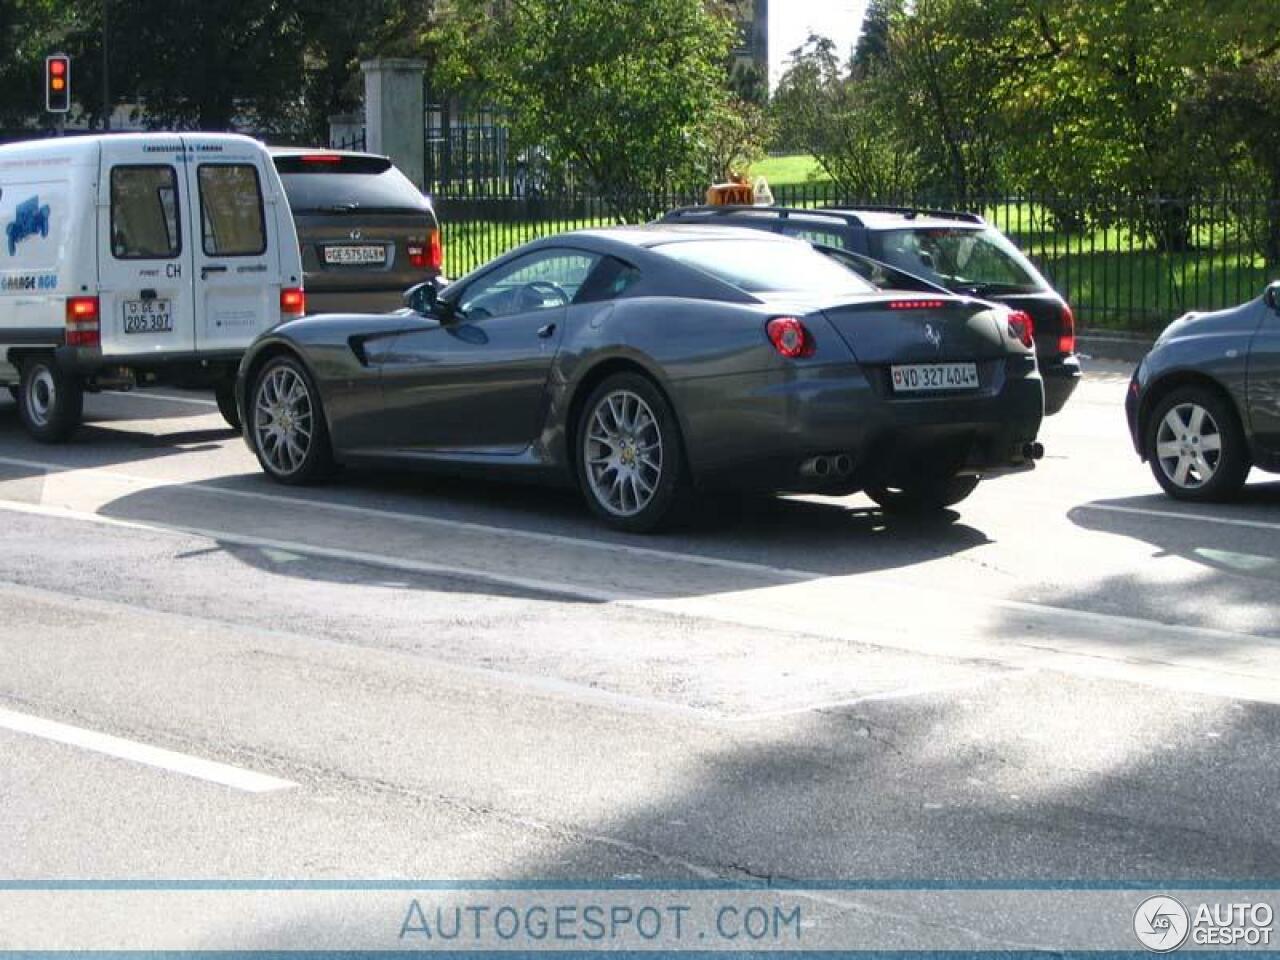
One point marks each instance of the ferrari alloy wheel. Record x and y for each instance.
(287, 424)
(629, 457)
(1196, 447)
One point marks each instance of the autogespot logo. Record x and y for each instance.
(1161, 924)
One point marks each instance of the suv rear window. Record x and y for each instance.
(960, 259)
(333, 183)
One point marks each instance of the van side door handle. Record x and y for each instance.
(546, 331)
(212, 268)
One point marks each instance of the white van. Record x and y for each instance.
(135, 259)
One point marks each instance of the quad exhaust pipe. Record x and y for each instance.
(827, 466)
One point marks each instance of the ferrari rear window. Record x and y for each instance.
(766, 266)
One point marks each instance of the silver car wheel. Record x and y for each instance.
(1189, 446)
(42, 396)
(283, 420)
(622, 451)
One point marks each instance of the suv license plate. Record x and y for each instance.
(147, 316)
(926, 377)
(355, 255)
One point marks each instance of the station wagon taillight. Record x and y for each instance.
(1067, 339)
(293, 302)
(83, 322)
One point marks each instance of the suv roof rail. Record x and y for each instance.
(782, 213)
(848, 214)
(910, 212)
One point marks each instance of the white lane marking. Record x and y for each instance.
(1178, 515)
(375, 513)
(135, 752)
(160, 397)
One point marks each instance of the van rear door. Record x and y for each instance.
(235, 246)
(145, 259)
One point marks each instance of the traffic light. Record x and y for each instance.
(57, 83)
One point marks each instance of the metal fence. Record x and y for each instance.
(355, 141)
(1124, 263)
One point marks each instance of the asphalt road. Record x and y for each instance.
(203, 675)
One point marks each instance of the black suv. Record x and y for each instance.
(958, 251)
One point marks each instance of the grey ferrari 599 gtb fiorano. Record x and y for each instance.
(640, 364)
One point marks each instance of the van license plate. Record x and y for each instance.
(147, 316)
(925, 377)
(355, 255)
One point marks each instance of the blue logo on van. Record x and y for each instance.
(28, 219)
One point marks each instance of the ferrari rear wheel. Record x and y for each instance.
(287, 425)
(924, 495)
(630, 460)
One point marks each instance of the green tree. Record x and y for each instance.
(623, 91)
(29, 30)
(845, 122)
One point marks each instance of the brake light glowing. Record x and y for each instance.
(917, 304)
(83, 322)
(293, 302)
(790, 337)
(321, 158)
(1067, 339)
(1022, 328)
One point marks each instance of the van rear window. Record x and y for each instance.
(144, 213)
(334, 183)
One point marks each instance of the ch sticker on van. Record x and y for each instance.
(29, 219)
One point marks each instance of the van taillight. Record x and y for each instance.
(83, 322)
(1067, 339)
(293, 302)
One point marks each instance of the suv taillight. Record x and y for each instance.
(293, 302)
(84, 327)
(435, 251)
(1067, 339)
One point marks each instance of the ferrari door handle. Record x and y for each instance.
(546, 331)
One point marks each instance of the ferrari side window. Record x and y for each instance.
(539, 281)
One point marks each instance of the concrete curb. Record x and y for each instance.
(1110, 345)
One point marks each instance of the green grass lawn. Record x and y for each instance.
(799, 168)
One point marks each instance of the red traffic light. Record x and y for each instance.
(57, 83)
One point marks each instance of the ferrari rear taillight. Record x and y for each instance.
(1022, 328)
(1067, 339)
(790, 337)
(293, 302)
(83, 322)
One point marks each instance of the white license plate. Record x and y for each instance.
(148, 316)
(355, 255)
(924, 377)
